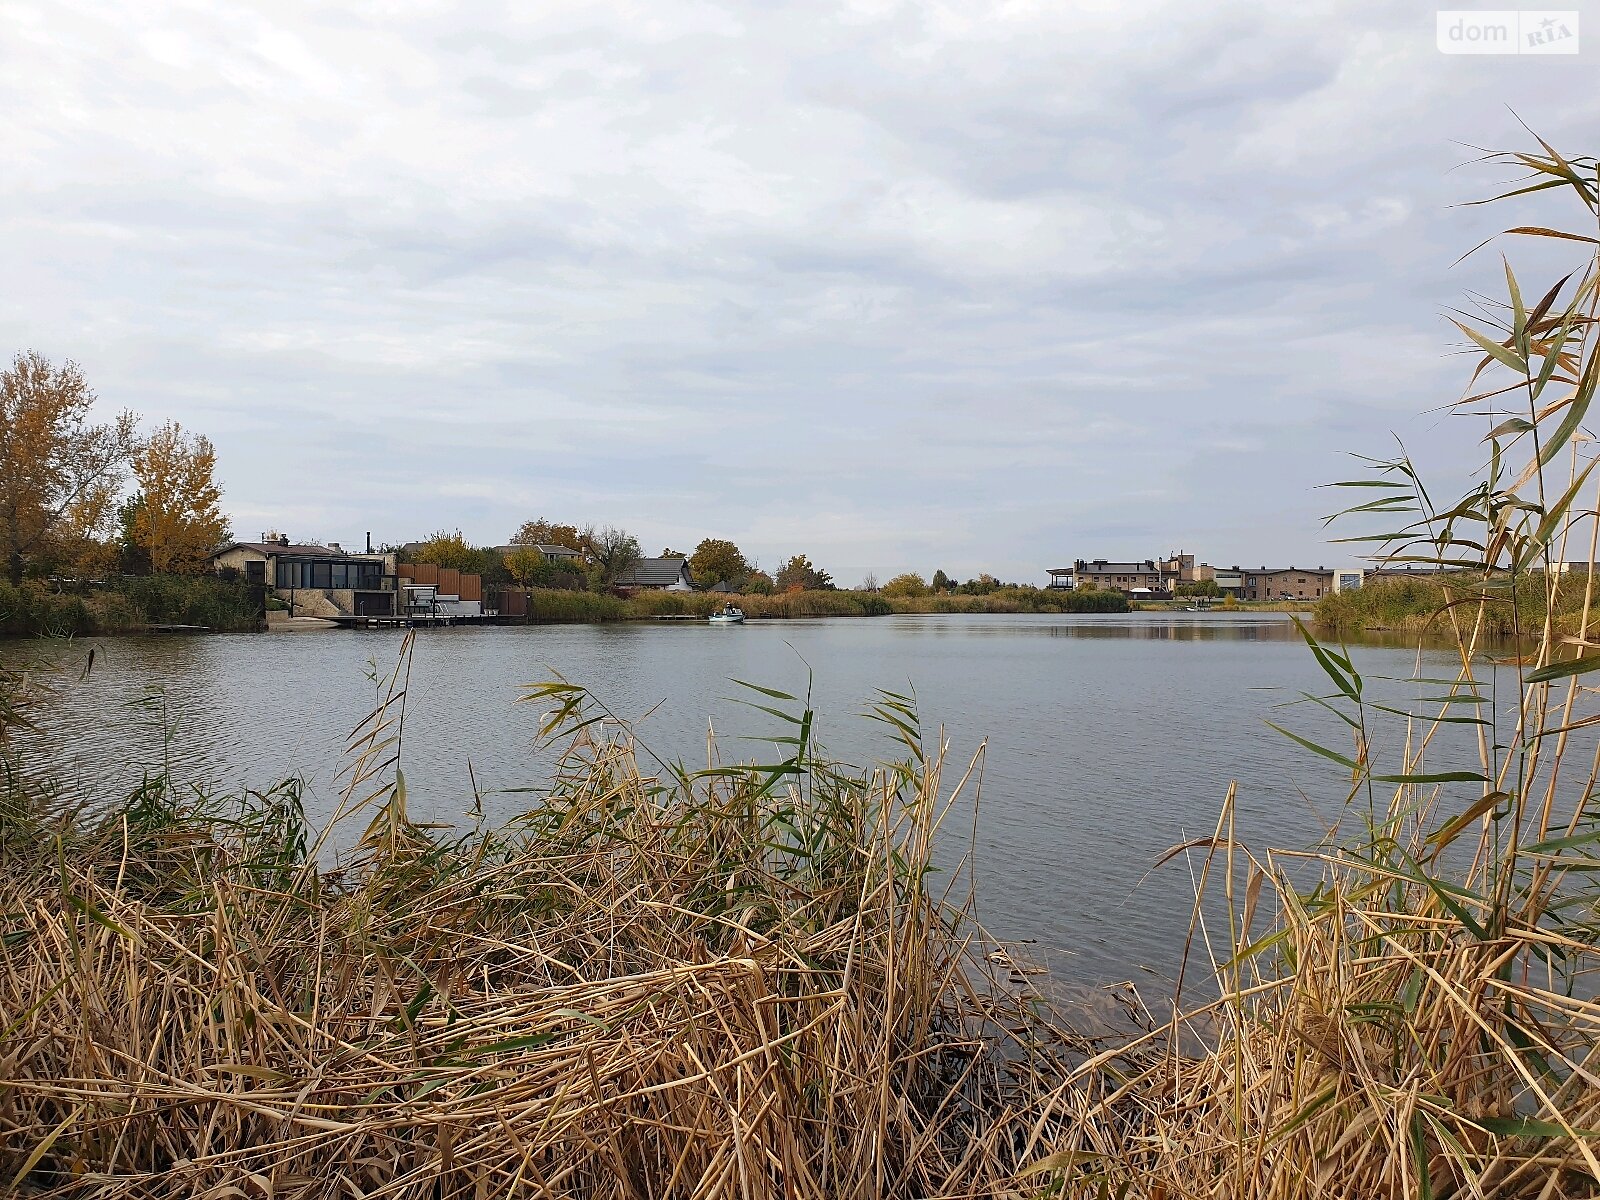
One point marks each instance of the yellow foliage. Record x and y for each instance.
(59, 474)
(180, 522)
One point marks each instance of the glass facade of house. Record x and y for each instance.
(327, 573)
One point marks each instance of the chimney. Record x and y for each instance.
(369, 541)
(283, 539)
(335, 547)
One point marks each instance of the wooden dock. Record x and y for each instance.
(411, 621)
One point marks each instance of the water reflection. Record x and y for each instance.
(1108, 739)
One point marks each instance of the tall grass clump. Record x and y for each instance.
(1411, 1009)
(1017, 600)
(1422, 603)
(555, 605)
(209, 601)
(34, 611)
(739, 981)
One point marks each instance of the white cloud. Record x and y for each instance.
(1001, 283)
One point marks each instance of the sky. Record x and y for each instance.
(898, 286)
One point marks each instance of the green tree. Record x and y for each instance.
(799, 573)
(716, 560)
(59, 472)
(942, 582)
(759, 584)
(908, 585)
(615, 553)
(1201, 587)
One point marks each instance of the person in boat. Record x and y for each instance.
(728, 609)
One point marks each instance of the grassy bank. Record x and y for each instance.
(127, 605)
(1427, 605)
(1279, 606)
(1017, 600)
(586, 606)
(552, 606)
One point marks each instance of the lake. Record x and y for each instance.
(1109, 738)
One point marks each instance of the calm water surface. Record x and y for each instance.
(1109, 738)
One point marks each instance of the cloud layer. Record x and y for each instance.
(897, 286)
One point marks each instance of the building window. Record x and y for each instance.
(329, 573)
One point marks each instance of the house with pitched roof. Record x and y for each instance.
(669, 573)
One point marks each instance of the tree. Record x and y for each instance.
(799, 573)
(869, 583)
(59, 472)
(615, 552)
(715, 561)
(941, 582)
(448, 550)
(759, 584)
(546, 533)
(1200, 587)
(908, 585)
(179, 522)
(527, 565)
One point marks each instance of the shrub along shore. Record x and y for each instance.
(133, 604)
(1429, 604)
(549, 605)
(128, 604)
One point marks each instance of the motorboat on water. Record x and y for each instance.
(731, 614)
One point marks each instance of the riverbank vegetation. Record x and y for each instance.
(129, 604)
(573, 606)
(1513, 606)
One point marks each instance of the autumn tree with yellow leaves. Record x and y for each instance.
(177, 518)
(60, 472)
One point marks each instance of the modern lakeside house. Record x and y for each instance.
(315, 581)
(333, 583)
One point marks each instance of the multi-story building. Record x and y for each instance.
(1287, 583)
(1083, 575)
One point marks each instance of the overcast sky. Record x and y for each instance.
(899, 286)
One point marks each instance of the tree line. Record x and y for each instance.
(64, 509)
(603, 558)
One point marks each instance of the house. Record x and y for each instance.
(1143, 578)
(1287, 583)
(316, 581)
(670, 573)
(553, 553)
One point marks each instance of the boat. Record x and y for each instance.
(730, 615)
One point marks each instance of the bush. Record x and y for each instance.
(31, 611)
(206, 600)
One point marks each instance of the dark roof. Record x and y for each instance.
(654, 572)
